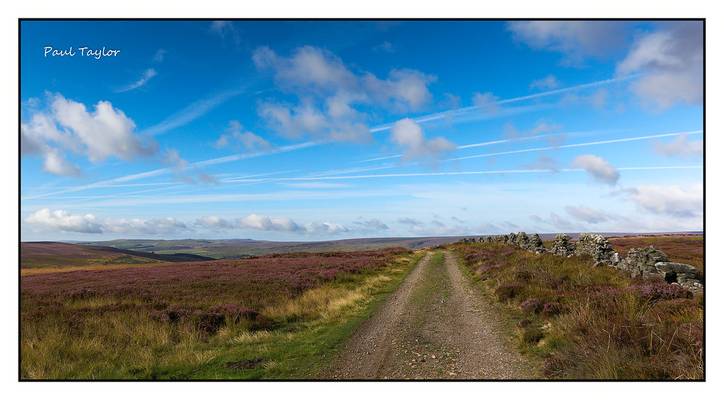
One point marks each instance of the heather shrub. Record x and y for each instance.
(234, 312)
(551, 309)
(508, 291)
(593, 323)
(657, 290)
(175, 320)
(532, 334)
(532, 306)
(210, 323)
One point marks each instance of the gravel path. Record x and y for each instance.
(435, 326)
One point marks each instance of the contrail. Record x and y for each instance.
(199, 108)
(459, 173)
(492, 142)
(566, 146)
(462, 110)
(167, 170)
(488, 172)
(295, 195)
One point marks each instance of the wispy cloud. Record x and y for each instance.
(547, 83)
(452, 113)
(146, 76)
(169, 170)
(600, 169)
(680, 147)
(201, 107)
(192, 112)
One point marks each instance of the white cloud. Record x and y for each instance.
(61, 220)
(225, 29)
(544, 163)
(681, 147)
(137, 226)
(557, 222)
(68, 126)
(146, 76)
(671, 200)
(598, 168)
(372, 224)
(404, 89)
(214, 222)
(306, 119)
(54, 163)
(330, 95)
(589, 215)
(486, 102)
(174, 159)
(410, 221)
(671, 62)
(384, 47)
(326, 228)
(105, 132)
(184, 171)
(271, 224)
(159, 56)
(540, 128)
(265, 223)
(575, 39)
(236, 136)
(407, 134)
(548, 83)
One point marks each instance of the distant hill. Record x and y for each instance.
(130, 251)
(58, 254)
(240, 248)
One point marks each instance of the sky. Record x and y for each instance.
(318, 130)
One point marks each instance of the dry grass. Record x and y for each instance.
(592, 323)
(164, 322)
(92, 267)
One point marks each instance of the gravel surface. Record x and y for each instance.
(435, 326)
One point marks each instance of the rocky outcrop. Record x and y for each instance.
(597, 247)
(563, 246)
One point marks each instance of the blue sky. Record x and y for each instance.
(309, 130)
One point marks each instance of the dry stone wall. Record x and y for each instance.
(648, 263)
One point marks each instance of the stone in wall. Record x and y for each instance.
(641, 262)
(684, 274)
(597, 247)
(535, 244)
(562, 245)
(521, 240)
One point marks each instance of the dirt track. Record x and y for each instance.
(433, 327)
